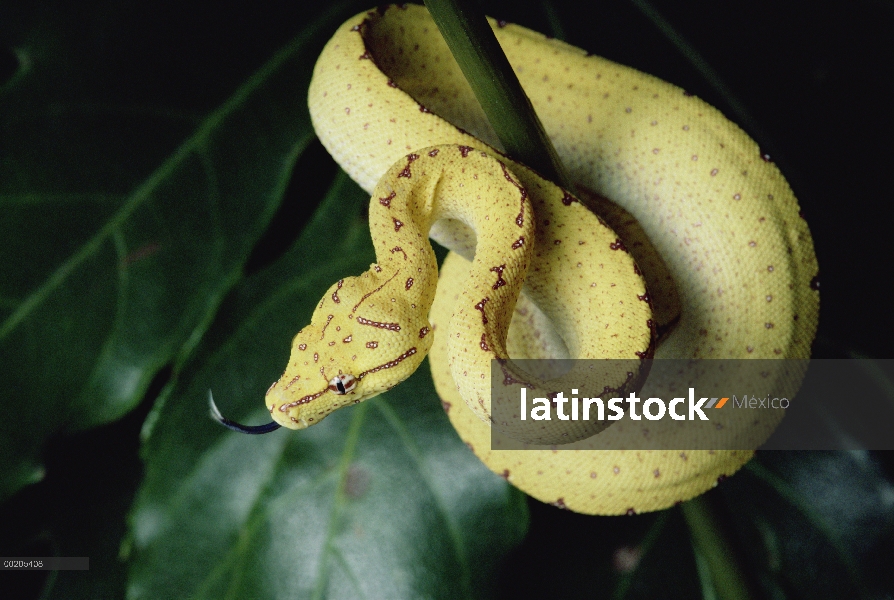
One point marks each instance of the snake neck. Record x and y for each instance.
(371, 332)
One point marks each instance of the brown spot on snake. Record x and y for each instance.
(368, 294)
(520, 219)
(386, 201)
(388, 326)
(304, 400)
(480, 306)
(500, 281)
(618, 245)
(328, 320)
(406, 172)
(389, 364)
(335, 297)
(508, 379)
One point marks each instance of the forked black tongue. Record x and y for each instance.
(249, 429)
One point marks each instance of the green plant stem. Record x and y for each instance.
(475, 47)
(712, 546)
(553, 22)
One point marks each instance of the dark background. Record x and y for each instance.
(807, 80)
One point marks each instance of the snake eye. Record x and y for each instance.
(342, 384)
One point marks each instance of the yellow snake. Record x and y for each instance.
(711, 223)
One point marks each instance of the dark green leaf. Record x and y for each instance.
(815, 524)
(123, 252)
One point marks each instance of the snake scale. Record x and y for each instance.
(699, 249)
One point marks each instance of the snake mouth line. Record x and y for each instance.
(273, 426)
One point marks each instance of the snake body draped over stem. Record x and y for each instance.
(706, 252)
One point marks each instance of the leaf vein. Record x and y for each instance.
(453, 529)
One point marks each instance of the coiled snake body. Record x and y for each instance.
(714, 227)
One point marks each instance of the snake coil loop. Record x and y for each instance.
(689, 208)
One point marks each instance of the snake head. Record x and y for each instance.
(364, 338)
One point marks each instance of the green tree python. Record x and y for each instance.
(689, 209)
